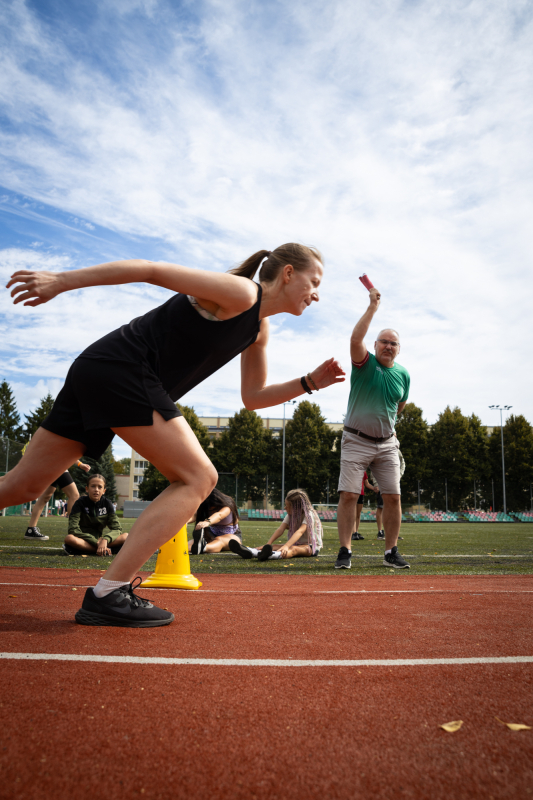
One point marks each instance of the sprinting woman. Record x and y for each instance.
(304, 533)
(146, 366)
(217, 521)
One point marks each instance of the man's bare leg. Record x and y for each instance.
(39, 505)
(346, 511)
(392, 519)
(358, 510)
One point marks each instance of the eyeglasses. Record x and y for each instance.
(387, 341)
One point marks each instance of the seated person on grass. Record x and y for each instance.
(89, 517)
(217, 523)
(304, 532)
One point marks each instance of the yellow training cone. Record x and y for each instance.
(173, 568)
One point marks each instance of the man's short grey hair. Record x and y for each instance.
(389, 329)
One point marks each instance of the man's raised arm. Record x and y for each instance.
(358, 349)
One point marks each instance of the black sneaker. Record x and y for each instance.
(356, 537)
(239, 549)
(343, 559)
(70, 551)
(265, 552)
(394, 559)
(198, 543)
(36, 535)
(381, 535)
(121, 609)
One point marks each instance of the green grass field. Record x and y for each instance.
(431, 549)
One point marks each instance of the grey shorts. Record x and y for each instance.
(357, 454)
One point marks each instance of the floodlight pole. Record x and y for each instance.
(475, 504)
(501, 409)
(446, 487)
(288, 402)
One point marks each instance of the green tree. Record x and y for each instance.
(243, 450)
(102, 466)
(518, 450)
(35, 418)
(412, 432)
(154, 482)
(457, 453)
(122, 466)
(308, 451)
(9, 416)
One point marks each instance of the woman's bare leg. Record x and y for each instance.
(47, 456)
(220, 543)
(174, 450)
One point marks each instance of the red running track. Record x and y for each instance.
(88, 729)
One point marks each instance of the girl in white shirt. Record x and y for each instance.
(304, 533)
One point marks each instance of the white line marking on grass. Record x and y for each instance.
(197, 592)
(267, 662)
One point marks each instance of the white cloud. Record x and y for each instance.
(394, 136)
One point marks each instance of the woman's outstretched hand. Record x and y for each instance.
(34, 288)
(328, 373)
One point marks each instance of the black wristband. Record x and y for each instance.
(305, 385)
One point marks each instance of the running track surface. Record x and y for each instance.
(104, 729)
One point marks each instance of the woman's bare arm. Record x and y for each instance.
(254, 391)
(230, 292)
(278, 532)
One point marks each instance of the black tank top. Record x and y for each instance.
(180, 346)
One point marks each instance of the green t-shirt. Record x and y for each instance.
(374, 396)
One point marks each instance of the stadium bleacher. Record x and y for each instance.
(524, 516)
(487, 516)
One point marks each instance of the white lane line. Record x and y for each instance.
(268, 662)
(274, 591)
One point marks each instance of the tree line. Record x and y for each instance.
(451, 454)
(12, 429)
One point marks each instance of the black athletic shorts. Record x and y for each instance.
(64, 480)
(379, 500)
(100, 395)
(360, 500)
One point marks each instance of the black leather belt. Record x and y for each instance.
(375, 439)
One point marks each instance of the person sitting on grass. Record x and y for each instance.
(217, 523)
(304, 532)
(89, 517)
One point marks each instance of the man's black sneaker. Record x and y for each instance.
(198, 542)
(381, 534)
(239, 549)
(356, 537)
(36, 535)
(71, 551)
(343, 559)
(115, 550)
(265, 552)
(121, 609)
(394, 559)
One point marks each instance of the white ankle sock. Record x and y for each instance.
(387, 552)
(104, 587)
(275, 554)
(254, 551)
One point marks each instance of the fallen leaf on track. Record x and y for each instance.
(514, 726)
(13, 595)
(451, 727)
(74, 590)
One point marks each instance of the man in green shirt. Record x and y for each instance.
(379, 391)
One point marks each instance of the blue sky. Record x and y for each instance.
(395, 136)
